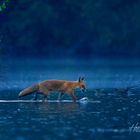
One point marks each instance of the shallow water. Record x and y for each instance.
(107, 115)
(110, 112)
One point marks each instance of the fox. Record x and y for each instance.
(59, 86)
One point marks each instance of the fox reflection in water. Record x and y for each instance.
(51, 107)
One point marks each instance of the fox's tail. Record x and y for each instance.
(29, 90)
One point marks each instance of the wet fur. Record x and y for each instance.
(60, 86)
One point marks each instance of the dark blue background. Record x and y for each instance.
(66, 39)
(68, 28)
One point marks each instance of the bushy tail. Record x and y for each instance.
(28, 90)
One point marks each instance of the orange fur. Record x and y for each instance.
(62, 86)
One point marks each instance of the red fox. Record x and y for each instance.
(61, 86)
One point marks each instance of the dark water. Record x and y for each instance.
(110, 113)
(107, 115)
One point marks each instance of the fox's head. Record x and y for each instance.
(82, 84)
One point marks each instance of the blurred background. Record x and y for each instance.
(68, 28)
(66, 39)
(100, 36)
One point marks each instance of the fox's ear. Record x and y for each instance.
(82, 78)
(79, 79)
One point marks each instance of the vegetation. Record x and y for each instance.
(76, 28)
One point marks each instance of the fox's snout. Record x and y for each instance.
(83, 90)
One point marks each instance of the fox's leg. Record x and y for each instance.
(72, 96)
(43, 90)
(45, 93)
(60, 96)
(44, 98)
(35, 96)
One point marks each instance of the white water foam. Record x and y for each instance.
(83, 100)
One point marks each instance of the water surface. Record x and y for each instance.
(107, 115)
(113, 106)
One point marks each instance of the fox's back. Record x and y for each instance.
(54, 85)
